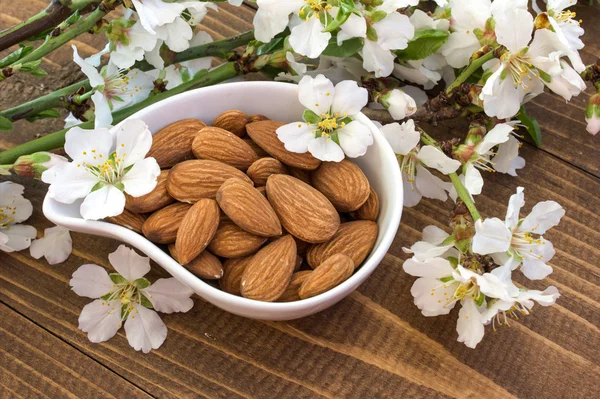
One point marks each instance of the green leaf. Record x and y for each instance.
(268, 48)
(377, 16)
(424, 43)
(310, 117)
(5, 123)
(98, 186)
(15, 56)
(120, 186)
(531, 125)
(185, 75)
(347, 49)
(118, 279)
(480, 299)
(446, 279)
(146, 302)
(49, 113)
(142, 283)
(346, 7)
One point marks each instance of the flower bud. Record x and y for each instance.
(592, 114)
(399, 104)
(35, 164)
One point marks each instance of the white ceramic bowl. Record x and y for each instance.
(277, 101)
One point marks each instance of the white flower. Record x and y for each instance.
(521, 66)
(338, 69)
(521, 239)
(417, 180)
(114, 89)
(440, 286)
(296, 69)
(417, 72)
(164, 19)
(105, 164)
(436, 243)
(393, 33)
(592, 114)
(55, 246)
(131, 46)
(14, 209)
(307, 35)
(328, 131)
(399, 104)
(568, 30)
(126, 296)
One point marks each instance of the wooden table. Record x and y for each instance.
(373, 344)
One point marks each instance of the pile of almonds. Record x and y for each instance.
(233, 205)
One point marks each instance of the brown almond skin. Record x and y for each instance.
(197, 229)
(260, 170)
(370, 209)
(248, 208)
(257, 118)
(154, 200)
(234, 121)
(343, 183)
(301, 174)
(190, 181)
(231, 241)
(233, 269)
(173, 143)
(221, 145)
(353, 239)
(291, 292)
(128, 219)
(205, 265)
(259, 151)
(161, 227)
(303, 211)
(331, 273)
(264, 134)
(262, 190)
(269, 271)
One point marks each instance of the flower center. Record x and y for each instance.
(316, 5)
(519, 67)
(563, 16)
(328, 125)
(110, 170)
(502, 317)
(117, 86)
(7, 214)
(408, 165)
(526, 246)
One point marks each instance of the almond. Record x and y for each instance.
(262, 190)
(303, 211)
(354, 239)
(331, 273)
(173, 143)
(197, 229)
(234, 121)
(128, 219)
(154, 200)
(343, 183)
(231, 241)
(248, 208)
(161, 227)
(257, 118)
(233, 269)
(370, 209)
(260, 170)
(205, 265)
(220, 145)
(301, 174)
(269, 271)
(264, 134)
(259, 151)
(190, 181)
(291, 292)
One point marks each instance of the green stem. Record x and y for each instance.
(58, 98)
(57, 139)
(473, 66)
(464, 196)
(53, 43)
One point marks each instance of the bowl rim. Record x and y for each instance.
(206, 290)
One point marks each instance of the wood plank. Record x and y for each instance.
(35, 363)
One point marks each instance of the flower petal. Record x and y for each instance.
(376, 59)
(102, 112)
(83, 145)
(349, 99)
(355, 138)
(470, 324)
(55, 246)
(316, 93)
(133, 140)
(402, 138)
(514, 28)
(326, 150)
(515, 203)
(129, 264)
(394, 31)
(100, 319)
(432, 296)
(431, 186)
(17, 237)
(105, 202)
(295, 136)
(499, 134)
(309, 39)
(145, 330)
(88, 70)
(412, 196)
(142, 177)
(434, 158)
(434, 235)
(91, 281)
(535, 269)
(68, 182)
(473, 180)
(542, 217)
(432, 268)
(168, 295)
(491, 236)
(507, 159)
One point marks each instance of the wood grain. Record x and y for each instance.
(374, 344)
